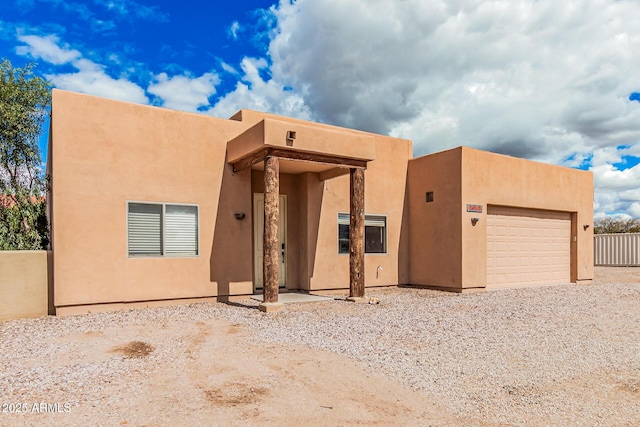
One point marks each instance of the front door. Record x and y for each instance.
(258, 234)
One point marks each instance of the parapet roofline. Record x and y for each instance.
(323, 142)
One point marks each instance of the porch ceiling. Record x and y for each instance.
(302, 148)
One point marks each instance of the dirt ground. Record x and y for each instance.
(213, 373)
(617, 274)
(212, 376)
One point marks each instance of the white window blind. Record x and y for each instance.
(145, 229)
(369, 220)
(181, 230)
(375, 221)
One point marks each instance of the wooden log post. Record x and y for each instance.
(356, 234)
(270, 238)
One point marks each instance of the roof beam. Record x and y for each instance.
(261, 155)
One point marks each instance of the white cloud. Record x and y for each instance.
(607, 177)
(540, 79)
(180, 92)
(233, 30)
(616, 190)
(634, 210)
(92, 79)
(255, 93)
(184, 92)
(228, 68)
(47, 49)
(130, 9)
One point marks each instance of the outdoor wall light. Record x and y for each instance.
(474, 221)
(585, 226)
(239, 215)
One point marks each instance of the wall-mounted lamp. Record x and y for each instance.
(239, 215)
(585, 226)
(474, 221)
(291, 136)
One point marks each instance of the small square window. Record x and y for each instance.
(429, 196)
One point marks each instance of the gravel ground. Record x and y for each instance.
(561, 355)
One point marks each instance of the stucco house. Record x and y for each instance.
(150, 206)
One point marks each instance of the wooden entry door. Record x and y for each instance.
(258, 233)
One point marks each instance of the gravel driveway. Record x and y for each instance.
(560, 355)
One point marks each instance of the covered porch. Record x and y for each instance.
(276, 149)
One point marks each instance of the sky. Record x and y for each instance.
(557, 82)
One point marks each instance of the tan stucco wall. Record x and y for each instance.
(435, 242)
(23, 284)
(447, 251)
(105, 153)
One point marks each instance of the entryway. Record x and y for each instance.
(258, 231)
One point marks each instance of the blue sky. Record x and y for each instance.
(138, 40)
(550, 81)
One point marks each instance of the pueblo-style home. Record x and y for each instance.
(150, 206)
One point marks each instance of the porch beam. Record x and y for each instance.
(318, 158)
(250, 160)
(270, 248)
(262, 154)
(356, 235)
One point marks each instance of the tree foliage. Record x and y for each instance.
(23, 226)
(24, 106)
(613, 225)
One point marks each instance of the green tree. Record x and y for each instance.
(24, 106)
(613, 225)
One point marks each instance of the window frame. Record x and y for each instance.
(163, 230)
(367, 217)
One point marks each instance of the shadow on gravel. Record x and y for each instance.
(240, 305)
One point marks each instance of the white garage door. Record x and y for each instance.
(527, 247)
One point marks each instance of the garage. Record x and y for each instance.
(527, 247)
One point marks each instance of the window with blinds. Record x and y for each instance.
(145, 229)
(375, 234)
(162, 229)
